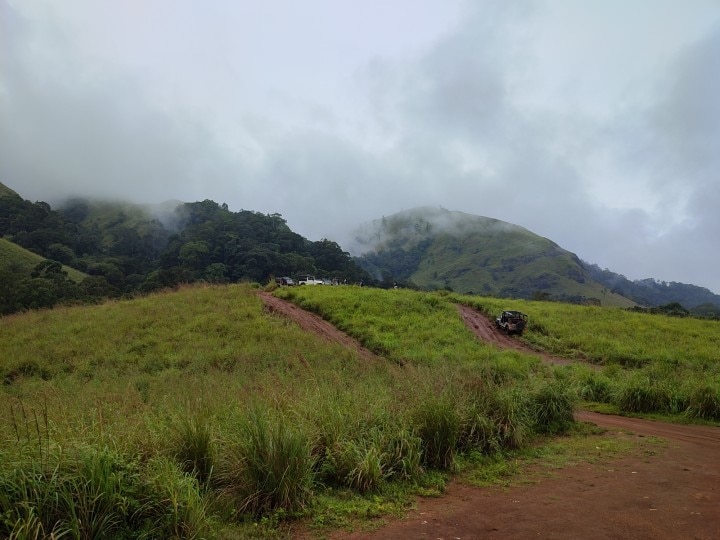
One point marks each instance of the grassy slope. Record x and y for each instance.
(199, 330)
(600, 335)
(191, 332)
(6, 191)
(615, 336)
(12, 255)
(656, 363)
(402, 325)
(487, 264)
(129, 375)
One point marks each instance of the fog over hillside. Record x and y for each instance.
(419, 223)
(595, 124)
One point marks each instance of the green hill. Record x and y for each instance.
(435, 248)
(129, 249)
(19, 260)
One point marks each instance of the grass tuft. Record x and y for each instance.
(553, 405)
(194, 446)
(271, 467)
(438, 424)
(704, 402)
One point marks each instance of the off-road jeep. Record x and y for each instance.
(512, 322)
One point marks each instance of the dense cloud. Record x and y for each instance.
(597, 127)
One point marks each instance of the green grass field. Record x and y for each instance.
(609, 336)
(196, 413)
(653, 363)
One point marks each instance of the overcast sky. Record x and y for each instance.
(595, 123)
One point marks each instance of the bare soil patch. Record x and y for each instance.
(673, 493)
(315, 324)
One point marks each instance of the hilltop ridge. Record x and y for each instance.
(437, 248)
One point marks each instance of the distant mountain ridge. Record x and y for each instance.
(435, 248)
(652, 292)
(127, 248)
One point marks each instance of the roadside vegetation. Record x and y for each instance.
(196, 413)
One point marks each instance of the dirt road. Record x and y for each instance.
(312, 323)
(670, 493)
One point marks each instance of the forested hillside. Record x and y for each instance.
(651, 292)
(126, 249)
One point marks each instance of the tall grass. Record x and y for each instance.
(270, 465)
(553, 404)
(438, 424)
(194, 446)
(95, 493)
(704, 402)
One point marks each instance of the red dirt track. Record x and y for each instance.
(485, 330)
(312, 323)
(672, 492)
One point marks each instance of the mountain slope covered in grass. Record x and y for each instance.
(19, 260)
(6, 191)
(434, 248)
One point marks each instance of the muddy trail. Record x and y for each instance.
(486, 331)
(315, 324)
(669, 492)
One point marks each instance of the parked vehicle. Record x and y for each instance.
(310, 280)
(512, 322)
(285, 281)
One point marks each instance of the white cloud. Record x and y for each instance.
(593, 124)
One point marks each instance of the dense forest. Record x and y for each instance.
(125, 253)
